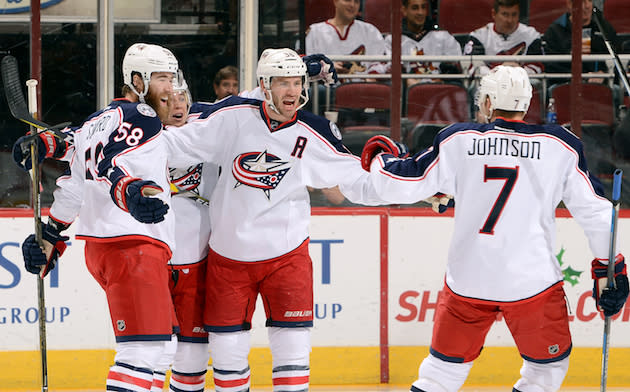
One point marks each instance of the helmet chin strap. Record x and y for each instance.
(140, 96)
(269, 101)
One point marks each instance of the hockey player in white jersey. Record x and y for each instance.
(507, 178)
(128, 235)
(504, 36)
(269, 152)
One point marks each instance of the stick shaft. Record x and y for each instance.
(610, 272)
(35, 197)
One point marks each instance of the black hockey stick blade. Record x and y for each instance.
(14, 94)
(15, 97)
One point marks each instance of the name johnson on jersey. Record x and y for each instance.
(505, 146)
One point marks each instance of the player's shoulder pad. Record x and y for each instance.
(324, 127)
(205, 109)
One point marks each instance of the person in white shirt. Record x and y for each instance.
(507, 178)
(420, 36)
(345, 35)
(505, 35)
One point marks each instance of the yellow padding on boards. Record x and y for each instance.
(499, 366)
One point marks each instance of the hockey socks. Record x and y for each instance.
(291, 378)
(126, 378)
(232, 380)
(158, 381)
(187, 382)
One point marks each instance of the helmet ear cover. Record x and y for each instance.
(508, 88)
(145, 59)
(284, 63)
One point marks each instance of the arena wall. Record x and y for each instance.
(377, 274)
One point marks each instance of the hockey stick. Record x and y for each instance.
(15, 98)
(37, 214)
(597, 15)
(610, 272)
(19, 109)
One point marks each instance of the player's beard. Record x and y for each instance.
(156, 103)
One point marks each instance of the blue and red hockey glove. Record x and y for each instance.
(610, 300)
(320, 67)
(48, 146)
(36, 260)
(381, 144)
(133, 195)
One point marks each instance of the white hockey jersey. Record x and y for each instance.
(507, 179)
(191, 189)
(359, 38)
(122, 138)
(260, 208)
(433, 43)
(487, 41)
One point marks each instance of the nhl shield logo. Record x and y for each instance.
(121, 325)
(554, 349)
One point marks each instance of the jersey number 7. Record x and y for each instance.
(509, 175)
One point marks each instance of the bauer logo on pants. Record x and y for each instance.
(120, 325)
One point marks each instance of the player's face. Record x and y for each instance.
(506, 19)
(347, 10)
(226, 87)
(160, 87)
(416, 14)
(177, 109)
(285, 92)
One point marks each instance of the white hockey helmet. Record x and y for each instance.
(507, 87)
(281, 62)
(146, 59)
(180, 86)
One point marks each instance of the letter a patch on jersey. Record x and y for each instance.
(259, 170)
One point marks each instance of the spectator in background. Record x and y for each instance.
(226, 82)
(420, 36)
(346, 35)
(558, 41)
(505, 35)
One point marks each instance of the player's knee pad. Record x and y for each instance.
(436, 375)
(168, 355)
(229, 350)
(289, 345)
(144, 355)
(542, 377)
(191, 357)
(190, 367)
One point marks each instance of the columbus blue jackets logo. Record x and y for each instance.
(186, 179)
(259, 170)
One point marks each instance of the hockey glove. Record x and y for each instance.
(608, 299)
(440, 202)
(131, 195)
(39, 261)
(381, 144)
(48, 146)
(320, 67)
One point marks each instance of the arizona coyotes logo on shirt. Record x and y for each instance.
(519, 49)
(421, 67)
(259, 170)
(355, 66)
